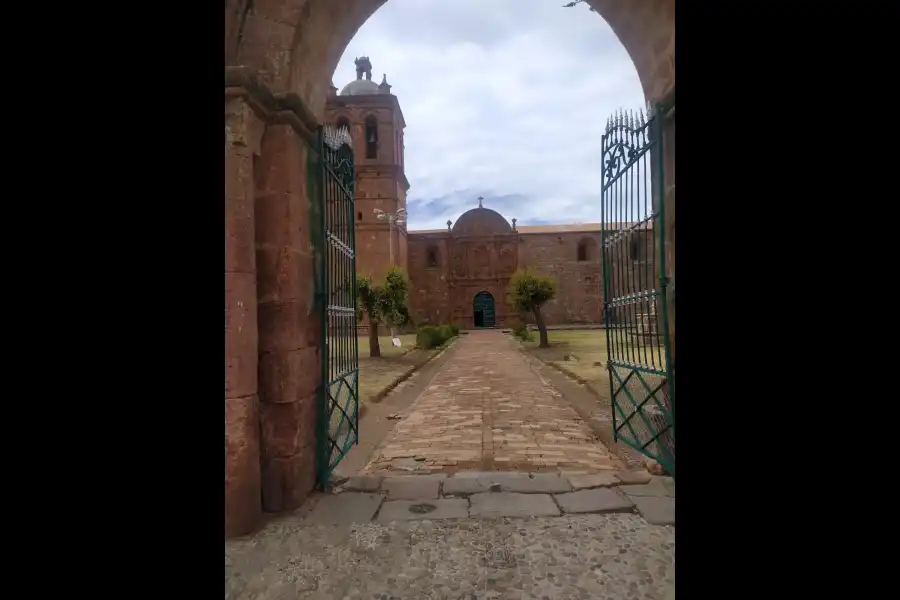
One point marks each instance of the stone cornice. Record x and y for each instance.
(392, 170)
(270, 107)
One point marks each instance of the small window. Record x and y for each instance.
(636, 247)
(359, 216)
(432, 257)
(371, 137)
(587, 249)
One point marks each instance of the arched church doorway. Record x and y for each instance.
(483, 309)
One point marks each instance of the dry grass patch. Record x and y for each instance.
(587, 355)
(378, 374)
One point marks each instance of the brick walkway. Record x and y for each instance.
(487, 409)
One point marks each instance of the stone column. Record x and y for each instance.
(242, 497)
(289, 327)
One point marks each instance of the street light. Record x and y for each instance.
(397, 218)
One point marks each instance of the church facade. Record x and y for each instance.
(460, 274)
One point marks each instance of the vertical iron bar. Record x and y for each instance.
(663, 277)
(632, 209)
(636, 196)
(622, 350)
(607, 305)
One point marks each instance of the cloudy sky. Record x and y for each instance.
(505, 99)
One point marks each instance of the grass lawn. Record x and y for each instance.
(589, 355)
(375, 374)
(588, 347)
(387, 349)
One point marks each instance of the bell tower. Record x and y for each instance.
(372, 114)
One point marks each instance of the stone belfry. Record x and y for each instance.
(372, 114)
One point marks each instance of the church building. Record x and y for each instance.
(459, 274)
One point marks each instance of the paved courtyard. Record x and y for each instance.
(488, 409)
(614, 556)
(488, 487)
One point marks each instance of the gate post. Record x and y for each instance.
(288, 322)
(242, 499)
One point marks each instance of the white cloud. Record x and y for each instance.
(506, 99)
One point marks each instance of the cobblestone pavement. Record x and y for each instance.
(613, 556)
(488, 409)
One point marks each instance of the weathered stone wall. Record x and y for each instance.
(429, 298)
(272, 326)
(289, 326)
(242, 476)
(579, 296)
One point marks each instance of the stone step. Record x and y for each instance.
(478, 494)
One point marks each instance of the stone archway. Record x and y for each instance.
(279, 58)
(295, 45)
(483, 310)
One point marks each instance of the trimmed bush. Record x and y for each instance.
(430, 336)
(518, 327)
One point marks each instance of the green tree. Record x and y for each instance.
(384, 304)
(529, 291)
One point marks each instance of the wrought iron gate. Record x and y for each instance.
(634, 287)
(336, 282)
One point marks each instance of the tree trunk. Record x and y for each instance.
(374, 348)
(542, 327)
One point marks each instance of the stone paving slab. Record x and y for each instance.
(363, 483)
(584, 482)
(656, 511)
(598, 500)
(465, 486)
(656, 489)
(634, 477)
(412, 487)
(532, 483)
(344, 509)
(406, 510)
(506, 504)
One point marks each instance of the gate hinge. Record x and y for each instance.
(664, 282)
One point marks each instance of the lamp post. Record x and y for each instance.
(393, 219)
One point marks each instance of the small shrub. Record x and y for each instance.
(525, 335)
(428, 337)
(518, 327)
(445, 332)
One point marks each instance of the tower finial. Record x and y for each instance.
(384, 86)
(363, 65)
(480, 200)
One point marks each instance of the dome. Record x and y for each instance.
(360, 87)
(481, 221)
